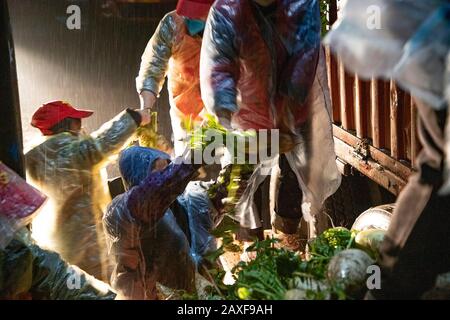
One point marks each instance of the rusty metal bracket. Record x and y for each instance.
(362, 150)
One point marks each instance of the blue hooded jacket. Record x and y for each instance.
(157, 231)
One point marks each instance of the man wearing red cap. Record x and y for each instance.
(66, 167)
(174, 50)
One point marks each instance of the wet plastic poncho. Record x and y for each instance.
(172, 51)
(67, 168)
(19, 204)
(29, 272)
(407, 40)
(267, 76)
(26, 270)
(159, 229)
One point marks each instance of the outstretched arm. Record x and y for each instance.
(155, 61)
(109, 139)
(149, 200)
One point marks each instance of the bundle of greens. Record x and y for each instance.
(277, 273)
(149, 137)
(211, 129)
(264, 278)
(229, 187)
(232, 181)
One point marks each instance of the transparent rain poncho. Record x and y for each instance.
(67, 168)
(172, 51)
(26, 270)
(19, 204)
(158, 230)
(279, 83)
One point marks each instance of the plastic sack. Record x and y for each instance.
(29, 272)
(406, 40)
(67, 168)
(173, 52)
(19, 203)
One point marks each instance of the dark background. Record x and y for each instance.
(93, 68)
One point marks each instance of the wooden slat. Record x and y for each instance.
(342, 96)
(396, 121)
(394, 118)
(344, 168)
(362, 102)
(385, 160)
(406, 126)
(385, 114)
(370, 168)
(359, 116)
(333, 83)
(375, 113)
(346, 95)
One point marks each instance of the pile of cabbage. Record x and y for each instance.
(335, 267)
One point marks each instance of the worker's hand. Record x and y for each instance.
(145, 117)
(148, 99)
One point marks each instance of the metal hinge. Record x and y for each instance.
(362, 150)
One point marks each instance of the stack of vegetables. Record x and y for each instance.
(233, 179)
(334, 268)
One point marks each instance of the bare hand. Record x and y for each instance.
(148, 99)
(145, 117)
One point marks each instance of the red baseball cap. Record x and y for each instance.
(53, 112)
(194, 9)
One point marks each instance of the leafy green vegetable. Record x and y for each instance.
(149, 137)
(324, 15)
(323, 248)
(267, 275)
(330, 241)
(275, 271)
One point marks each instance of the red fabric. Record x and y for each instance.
(17, 198)
(194, 9)
(53, 112)
(247, 63)
(184, 74)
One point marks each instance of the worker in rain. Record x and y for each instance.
(174, 50)
(410, 45)
(262, 67)
(159, 230)
(28, 272)
(67, 167)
